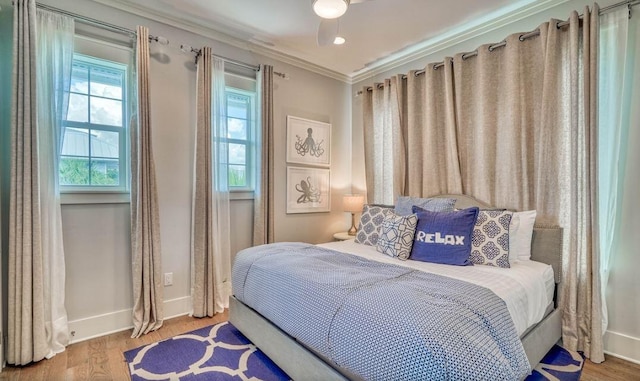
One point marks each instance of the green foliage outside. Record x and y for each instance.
(75, 171)
(237, 177)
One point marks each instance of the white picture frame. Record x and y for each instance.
(308, 142)
(308, 190)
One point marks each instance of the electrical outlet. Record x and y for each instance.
(168, 279)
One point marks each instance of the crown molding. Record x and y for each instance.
(493, 21)
(269, 52)
(466, 32)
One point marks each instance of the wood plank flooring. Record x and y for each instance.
(102, 358)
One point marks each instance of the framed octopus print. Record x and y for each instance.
(308, 190)
(308, 142)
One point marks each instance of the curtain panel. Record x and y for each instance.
(55, 36)
(211, 252)
(384, 147)
(42, 54)
(263, 220)
(145, 220)
(619, 109)
(513, 126)
(431, 132)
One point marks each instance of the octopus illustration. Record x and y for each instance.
(309, 192)
(308, 145)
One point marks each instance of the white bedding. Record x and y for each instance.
(527, 287)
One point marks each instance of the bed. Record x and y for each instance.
(308, 357)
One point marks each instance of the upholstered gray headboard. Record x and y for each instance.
(546, 243)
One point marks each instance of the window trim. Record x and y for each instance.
(96, 194)
(247, 191)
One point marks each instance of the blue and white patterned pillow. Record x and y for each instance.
(490, 238)
(396, 235)
(370, 223)
(444, 237)
(404, 204)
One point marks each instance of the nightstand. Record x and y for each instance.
(343, 236)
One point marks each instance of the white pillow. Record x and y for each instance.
(520, 233)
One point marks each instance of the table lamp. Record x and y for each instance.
(353, 203)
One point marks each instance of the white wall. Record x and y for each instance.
(97, 236)
(623, 335)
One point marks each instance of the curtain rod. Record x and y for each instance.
(132, 33)
(524, 36)
(101, 24)
(238, 63)
(89, 20)
(198, 52)
(247, 66)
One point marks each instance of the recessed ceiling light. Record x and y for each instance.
(339, 40)
(330, 9)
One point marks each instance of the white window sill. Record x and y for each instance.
(124, 198)
(236, 195)
(71, 198)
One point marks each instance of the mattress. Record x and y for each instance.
(527, 287)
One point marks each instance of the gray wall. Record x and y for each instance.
(623, 335)
(96, 236)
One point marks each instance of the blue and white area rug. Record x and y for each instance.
(558, 364)
(221, 352)
(218, 352)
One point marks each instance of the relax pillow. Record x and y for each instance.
(490, 238)
(520, 233)
(404, 204)
(444, 237)
(370, 223)
(396, 235)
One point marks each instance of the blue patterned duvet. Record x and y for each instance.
(380, 321)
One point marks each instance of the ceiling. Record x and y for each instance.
(377, 31)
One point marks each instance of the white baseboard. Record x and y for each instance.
(622, 346)
(112, 322)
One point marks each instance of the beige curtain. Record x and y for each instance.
(42, 55)
(499, 99)
(432, 150)
(525, 122)
(211, 253)
(527, 138)
(581, 295)
(263, 220)
(384, 146)
(145, 220)
(27, 339)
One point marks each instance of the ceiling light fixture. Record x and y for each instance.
(330, 9)
(339, 40)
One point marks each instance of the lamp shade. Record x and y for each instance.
(330, 9)
(353, 203)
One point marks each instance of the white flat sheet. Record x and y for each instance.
(527, 287)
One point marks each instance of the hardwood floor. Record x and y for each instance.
(612, 369)
(102, 358)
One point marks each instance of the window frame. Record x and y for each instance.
(249, 143)
(245, 81)
(119, 53)
(123, 159)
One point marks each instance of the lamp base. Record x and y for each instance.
(353, 230)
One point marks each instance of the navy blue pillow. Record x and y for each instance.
(444, 237)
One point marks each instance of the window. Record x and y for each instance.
(240, 121)
(93, 155)
(242, 113)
